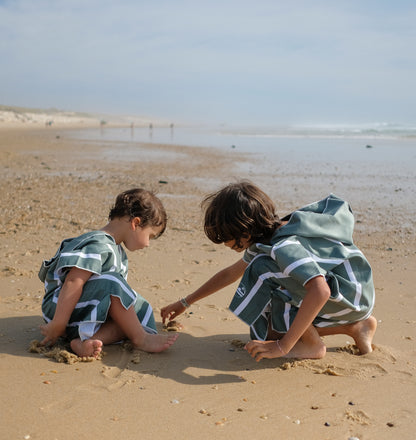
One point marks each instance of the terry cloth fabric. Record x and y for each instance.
(98, 253)
(316, 241)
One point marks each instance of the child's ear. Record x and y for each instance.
(135, 222)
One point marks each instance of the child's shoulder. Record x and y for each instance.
(88, 238)
(95, 235)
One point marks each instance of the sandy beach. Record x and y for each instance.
(205, 386)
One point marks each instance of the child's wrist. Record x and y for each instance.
(185, 303)
(58, 324)
(280, 347)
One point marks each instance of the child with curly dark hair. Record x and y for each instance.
(301, 276)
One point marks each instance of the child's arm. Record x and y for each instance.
(317, 294)
(220, 280)
(68, 297)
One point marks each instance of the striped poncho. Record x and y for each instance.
(98, 253)
(316, 240)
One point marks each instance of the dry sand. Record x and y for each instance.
(205, 386)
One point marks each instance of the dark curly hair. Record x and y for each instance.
(240, 210)
(140, 203)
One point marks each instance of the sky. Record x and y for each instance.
(219, 61)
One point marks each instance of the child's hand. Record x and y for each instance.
(52, 331)
(171, 311)
(264, 350)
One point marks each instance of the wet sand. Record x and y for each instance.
(206, 385)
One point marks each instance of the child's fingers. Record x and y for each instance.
(257, 351)
(44, 333)
(166, 315)
(47, 342)
(171, 311)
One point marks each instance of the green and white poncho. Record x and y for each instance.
(96, 252)
(316, 240)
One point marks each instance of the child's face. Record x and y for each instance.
(140, 237)
(238, 247)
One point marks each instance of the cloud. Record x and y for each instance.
(211, 59)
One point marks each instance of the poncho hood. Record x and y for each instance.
(331, 218)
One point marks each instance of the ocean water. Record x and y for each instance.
(389, 144)
(372, 166)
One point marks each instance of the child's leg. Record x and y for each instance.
(123, 324)
(130, 326)
(309, 346)
(361, 331)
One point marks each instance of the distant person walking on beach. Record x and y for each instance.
(301, 276)
(87, 298)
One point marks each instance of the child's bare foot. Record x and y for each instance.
(156, 343)
(363, 333)
(87, 348)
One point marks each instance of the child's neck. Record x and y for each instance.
(282, 223)
(115, 228)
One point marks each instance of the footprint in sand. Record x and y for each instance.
(359, 417)
(123, 355)
(120, 375)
